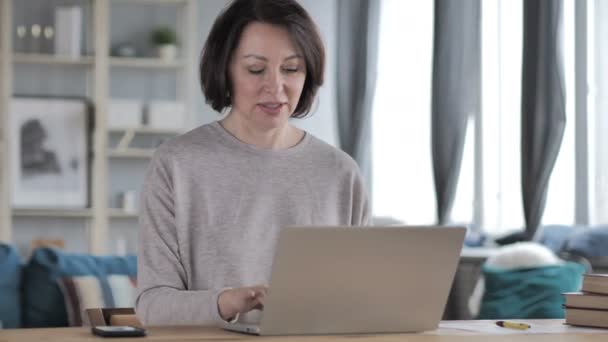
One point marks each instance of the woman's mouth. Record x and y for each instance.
(272, 108)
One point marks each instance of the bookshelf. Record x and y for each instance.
(129, 153)
(99, 68)
(121, 214)
(145, 130)
(62, 213)
(145, 63)
(47, 59)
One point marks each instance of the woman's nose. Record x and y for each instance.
(274, 82)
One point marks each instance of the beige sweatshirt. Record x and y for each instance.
(211, 211)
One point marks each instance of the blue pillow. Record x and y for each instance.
(528, 293)
(10, 282)
(43, 301)
(555, 236)
(589, 243)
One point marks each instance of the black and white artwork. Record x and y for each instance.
(49, 153)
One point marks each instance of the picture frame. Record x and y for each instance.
(49, 152)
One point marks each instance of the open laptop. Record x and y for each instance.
(346, 280)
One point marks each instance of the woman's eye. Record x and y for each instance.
(256, 71)
(291, 70)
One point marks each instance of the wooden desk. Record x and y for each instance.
(449, 331)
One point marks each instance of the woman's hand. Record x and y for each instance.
(241, 300)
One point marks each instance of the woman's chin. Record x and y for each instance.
(272, 121)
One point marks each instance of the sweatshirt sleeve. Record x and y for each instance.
(361, 211)
(163, 297)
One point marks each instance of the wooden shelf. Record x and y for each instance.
(131, 153)
(145, 63)
(119, 213)
(72, 213)
(152, 2)
(146, 130)
(48, 59)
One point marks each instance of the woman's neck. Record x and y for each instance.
(278, 138)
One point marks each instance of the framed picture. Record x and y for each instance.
(49, 152)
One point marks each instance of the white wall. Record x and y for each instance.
(322, 121)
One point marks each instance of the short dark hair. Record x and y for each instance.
(224, 38)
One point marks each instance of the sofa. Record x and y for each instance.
(34, 294)
(53, 287)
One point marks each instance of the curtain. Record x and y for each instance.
(357, 41)
(456, 87)
(543, 116)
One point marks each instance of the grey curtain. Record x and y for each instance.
(456, 92)
(357, 41)
(543, 117)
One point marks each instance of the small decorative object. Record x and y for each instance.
(124, 50)
(49, 152)
(36, 39)
(49, 38)
(127, 201)
(68, 31)
(123, 114)
(166, 114)
(21, 39)
(165, 40)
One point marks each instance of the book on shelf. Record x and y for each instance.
(68, 31)
(587, 317)
(595, 283)
(581, 300)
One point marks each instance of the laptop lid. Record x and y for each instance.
(341, 280)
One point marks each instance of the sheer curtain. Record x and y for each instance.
(598, 108)
(401, 121)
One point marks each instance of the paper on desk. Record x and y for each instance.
(490, 327)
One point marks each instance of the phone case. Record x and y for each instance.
(118, 331)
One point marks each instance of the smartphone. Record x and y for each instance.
(118, 331)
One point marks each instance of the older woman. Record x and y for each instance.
(216, 198)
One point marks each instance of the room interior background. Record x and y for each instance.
(101, 226)
(392, 67)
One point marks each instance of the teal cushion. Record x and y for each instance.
(528, 293)
(10, 282)
(43, 301)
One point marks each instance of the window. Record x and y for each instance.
(502, 29)
(403, 175)
(597, 74)
(489, 187)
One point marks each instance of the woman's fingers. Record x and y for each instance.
(242, 300)
(255, 304)
(259, 306)
(257, 296)
(260, 289)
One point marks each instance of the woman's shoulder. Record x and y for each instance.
(325, 153)
(197, 141)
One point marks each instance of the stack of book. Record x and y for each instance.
(589, 307)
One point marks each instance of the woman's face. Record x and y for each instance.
(267, 75)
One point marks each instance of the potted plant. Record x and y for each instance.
(165, 40)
